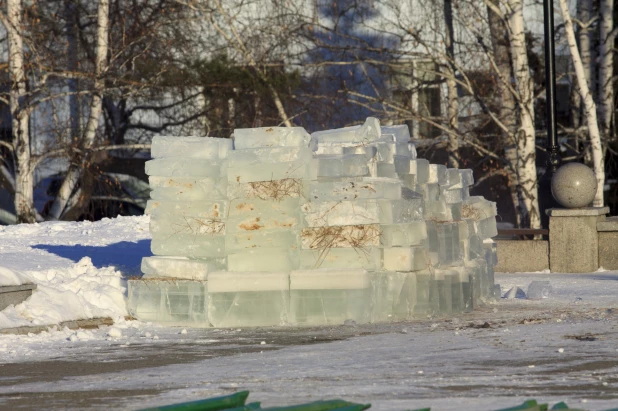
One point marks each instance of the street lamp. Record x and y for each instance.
(553, 151)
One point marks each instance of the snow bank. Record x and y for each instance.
(80, 268)
(79, 291)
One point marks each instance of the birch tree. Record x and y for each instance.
(453, 98)
(72, 178)
(606, 66)
(589, 105)
(20, 114)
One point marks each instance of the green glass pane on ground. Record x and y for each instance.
(212, 404)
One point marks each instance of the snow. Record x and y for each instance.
(561, 348)
(80, 268)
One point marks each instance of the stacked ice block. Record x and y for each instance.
(287, 228)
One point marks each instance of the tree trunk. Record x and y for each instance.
(525, 136)
(606, 64)
(500, 45)
(73, 175)
(453, 98)
(20, 118)
(591, 115)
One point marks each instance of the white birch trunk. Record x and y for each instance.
(24, 170)
(606, 64)
(591, 115)
(74, 174)
(525, 137)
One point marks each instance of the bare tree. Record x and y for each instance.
(453, 98)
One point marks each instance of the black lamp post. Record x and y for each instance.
(553, 162)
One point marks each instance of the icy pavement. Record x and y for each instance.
(564, 348)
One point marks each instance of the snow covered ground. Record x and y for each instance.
(561, 348)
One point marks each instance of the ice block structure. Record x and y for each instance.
(279, 227)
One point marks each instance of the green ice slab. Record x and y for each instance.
(322, 297)
(185, 167)
(355, 212)
(275, 238)
(405, 258)
(214, 209)
(393, 296)
(173, 302)
(329, 405)
(273, 171)
(246, 138)
(264, 259)
(247, 299)
(180, 267)
(187, 189)
(403, 235)
(212, 404)
(188, 245)
(365, 188)
(206, 148)
(343, 258)
(251, 157)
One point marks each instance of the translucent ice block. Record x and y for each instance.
(247, 240)
(263, 259)
(187, 188)
(185, 167)
(217, 209)
(273, 171)
(437, 174)
(367, 258)
(249, 157)
(366, 188)
(486, 228)
(188, 245)
(168, 226)
(270, 137)
(191, 147)
(453, 179)
(177, 302)
(323, 297)
(350, 236)
(248, 299)
(388, 152)
(179, 267)
(420, 168)
(467, 177)
(273, 190)
(393, 296)
(427, 300)
(539, 290)
(444, 291)
(452, 196)
(405, 258)
(403, 235)
(401, 211)
(342, 166)
(255, 215)
(401, 132)
(340, 213)
(369, 131)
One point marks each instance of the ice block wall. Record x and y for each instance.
(279, 227)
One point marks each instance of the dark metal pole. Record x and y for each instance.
(550, 85)
(545, 197)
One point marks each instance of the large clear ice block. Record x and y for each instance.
(206, 148)
(248, 299)
(216, 209)
(273, 190)
(185, 167)
(342, 166)
(405, 258)
(189, 245)
(245, 138)
(325, 297)
(365, 188)
(273, 171)
(171, 302)
(401, 132)
(369, 259)
(350, 236)
(179, 267)
(187, 188)
(255, 215)
(263, 259)
(248, 240)
(437, 174)
(393, 296)
(250, 157)
(403, 235)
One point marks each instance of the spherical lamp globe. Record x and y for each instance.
(574, 185)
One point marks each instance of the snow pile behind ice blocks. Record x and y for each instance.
(280, 227)
(79, 268)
